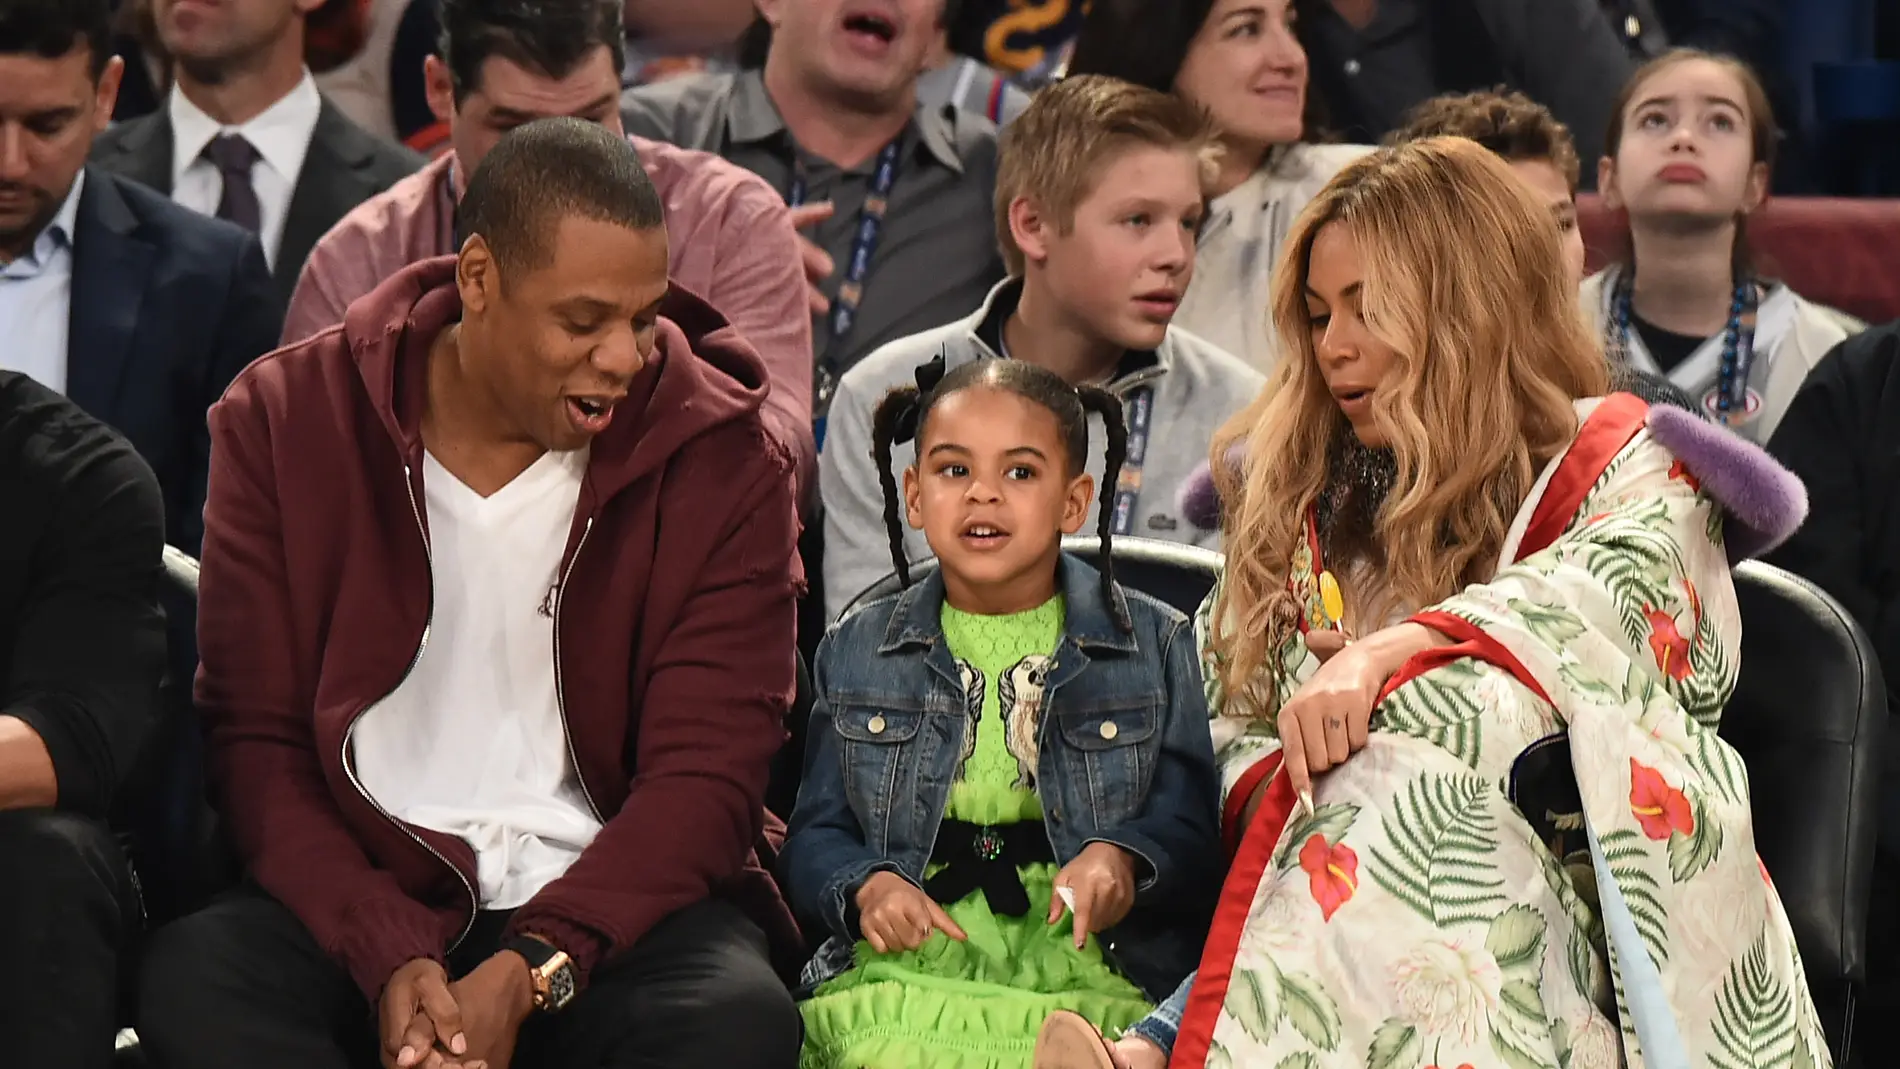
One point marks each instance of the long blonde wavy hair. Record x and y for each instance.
(1465, 281)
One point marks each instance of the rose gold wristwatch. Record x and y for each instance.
(549, 970)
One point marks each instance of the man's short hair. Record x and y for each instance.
(50, 29)
(548, 37)
(548, 170)
(1505, 121)
(1056, 150)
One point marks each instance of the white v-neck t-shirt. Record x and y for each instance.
(471, 744)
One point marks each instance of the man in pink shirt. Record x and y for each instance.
(507, 62)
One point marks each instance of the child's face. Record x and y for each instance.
(1120, 268)
(1687, 151)
(1553, 189)
(992, 493)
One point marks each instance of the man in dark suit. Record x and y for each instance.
(245, 136)
(137, 309)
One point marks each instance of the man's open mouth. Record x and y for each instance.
(873, 26)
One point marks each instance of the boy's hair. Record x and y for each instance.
(905, 412)
(1056, 149)
(1505, 121)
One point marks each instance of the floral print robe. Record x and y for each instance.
(1416, 919)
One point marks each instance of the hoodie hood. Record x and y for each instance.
(1763, 503)
(701, 375)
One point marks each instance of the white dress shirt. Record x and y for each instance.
(281, 135)
(471, 743)
(36, 293)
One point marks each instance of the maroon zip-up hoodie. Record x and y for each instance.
(673, 628)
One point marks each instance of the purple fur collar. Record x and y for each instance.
(1763, 503)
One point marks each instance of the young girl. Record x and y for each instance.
(1689, 152)
(1009, 805)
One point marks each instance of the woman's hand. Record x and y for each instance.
(1102, 878)
(895, 914)
(1330, 717)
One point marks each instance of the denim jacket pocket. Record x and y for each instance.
(1111, 748)
(873, 741)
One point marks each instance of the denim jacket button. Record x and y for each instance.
(876, 725)
(1109, 730)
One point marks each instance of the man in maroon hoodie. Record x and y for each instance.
(496, 621)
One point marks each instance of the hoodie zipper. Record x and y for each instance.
(349, 765)
(560, 698)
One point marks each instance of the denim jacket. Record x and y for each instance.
(1124, 757)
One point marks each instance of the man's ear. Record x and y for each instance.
(476, 276)
(105, 93)
(439, 86)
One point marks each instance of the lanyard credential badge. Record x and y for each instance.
(857, 268)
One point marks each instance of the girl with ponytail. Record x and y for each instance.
(1009, 802)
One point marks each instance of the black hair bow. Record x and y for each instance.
(928, 375)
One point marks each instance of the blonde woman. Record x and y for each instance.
(1435, 471)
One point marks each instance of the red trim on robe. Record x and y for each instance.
(1603, 435)
(1471, 641)
(1230, 921)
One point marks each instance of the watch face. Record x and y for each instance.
(561, 987)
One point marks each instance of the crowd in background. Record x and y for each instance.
(845, 194)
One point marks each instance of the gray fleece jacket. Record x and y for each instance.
(1197, 386)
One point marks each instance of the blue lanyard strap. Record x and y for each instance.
(844, 307)
(1738, 342)
(1141, 408)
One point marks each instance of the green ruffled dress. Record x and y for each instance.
(977, 1004)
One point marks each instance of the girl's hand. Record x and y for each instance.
(1102, 878)
(895, 914)
(1331, 716)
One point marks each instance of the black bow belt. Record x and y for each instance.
(985, 857)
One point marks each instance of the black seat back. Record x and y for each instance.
(1808, 716)
(1179, 575)
(788, 767)
(162, 811)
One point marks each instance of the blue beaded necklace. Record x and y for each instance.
(1738, 341)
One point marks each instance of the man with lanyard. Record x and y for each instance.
(1090, 298)
(894, 197)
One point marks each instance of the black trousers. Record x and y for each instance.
(67, 906)
(243, 984)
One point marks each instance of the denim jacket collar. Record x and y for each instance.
(916, 619)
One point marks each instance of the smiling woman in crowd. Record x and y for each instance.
(1239, 60)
